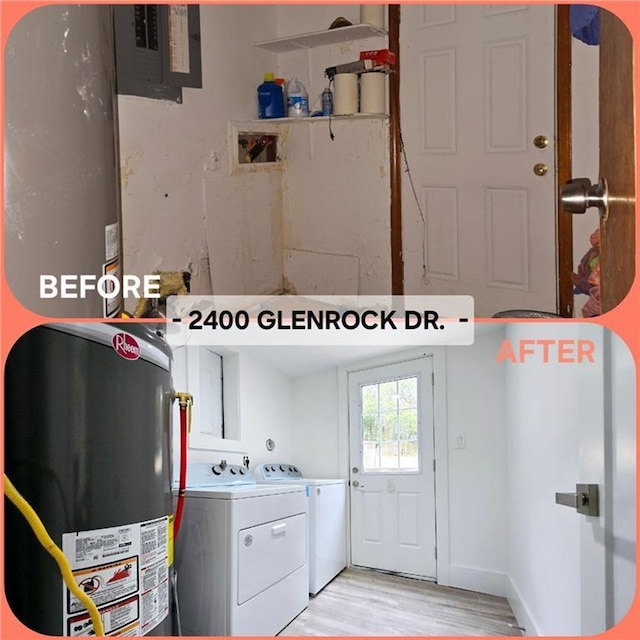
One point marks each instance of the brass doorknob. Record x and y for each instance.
(540, 169)
(541, 142)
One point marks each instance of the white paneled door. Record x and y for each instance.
(392, 468)
(477, 90)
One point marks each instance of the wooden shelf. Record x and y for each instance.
(318, 38)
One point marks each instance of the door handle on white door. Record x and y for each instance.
(585, 500)
(356, 484)
(579, 194)
(279, 529)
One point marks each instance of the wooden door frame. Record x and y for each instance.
(395, 157)
(564, 222)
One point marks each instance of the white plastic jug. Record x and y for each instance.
(297, 99)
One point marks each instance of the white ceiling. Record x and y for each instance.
(304, 360)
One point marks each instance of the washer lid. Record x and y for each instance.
(238, 492)
(304, 481)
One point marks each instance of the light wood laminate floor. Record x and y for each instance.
(359, 602)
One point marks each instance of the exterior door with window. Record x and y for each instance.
(392, 468)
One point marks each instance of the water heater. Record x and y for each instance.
(87, 443)
(62, 194)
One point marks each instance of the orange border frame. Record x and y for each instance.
(16, 320)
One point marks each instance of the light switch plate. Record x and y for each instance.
(461, 442)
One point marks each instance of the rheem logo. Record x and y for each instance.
(126, 346)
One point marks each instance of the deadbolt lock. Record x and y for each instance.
(541, 142)
(540, 169)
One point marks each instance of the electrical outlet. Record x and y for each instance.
(461, 442)
(215, 161)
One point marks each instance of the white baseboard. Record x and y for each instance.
(520, 610)
(479, 580)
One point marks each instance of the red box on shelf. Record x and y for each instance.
(379, 56)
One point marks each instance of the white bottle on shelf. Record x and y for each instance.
(297, 99)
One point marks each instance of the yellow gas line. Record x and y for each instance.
(50, 547)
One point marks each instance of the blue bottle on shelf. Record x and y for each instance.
(270, 98)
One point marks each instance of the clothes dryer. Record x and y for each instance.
(327, 520)
(241, 553)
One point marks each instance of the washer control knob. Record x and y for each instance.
(233, 471)
(282, 467)
(216, 469)
(291, 469)
(242, 471)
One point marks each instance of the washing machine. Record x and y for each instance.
(241, 553)
(327, 520)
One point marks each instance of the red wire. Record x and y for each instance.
(183, 469)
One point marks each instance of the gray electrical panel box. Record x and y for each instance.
(157, 49)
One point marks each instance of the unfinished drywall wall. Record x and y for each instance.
(240, 230)
(336, 194)
(336, 208)
(183, 208)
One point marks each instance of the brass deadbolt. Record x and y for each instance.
(541, 142)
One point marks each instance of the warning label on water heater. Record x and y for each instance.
(125, 571)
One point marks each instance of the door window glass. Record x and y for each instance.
(389, 425)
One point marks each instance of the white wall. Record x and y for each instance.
(478, 521)
(264, 409)
(621, 414)
(555, 433)
(585, 75)
(316, 425)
